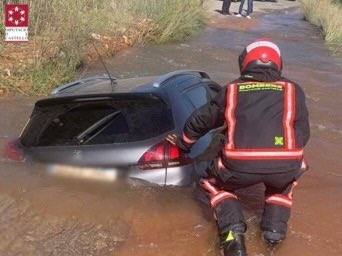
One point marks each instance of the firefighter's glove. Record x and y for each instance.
(177, 140)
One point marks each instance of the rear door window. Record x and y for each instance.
(99, 122)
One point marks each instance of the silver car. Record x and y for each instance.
(105, 128)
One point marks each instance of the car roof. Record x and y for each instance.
(96, 97)
(102, 84)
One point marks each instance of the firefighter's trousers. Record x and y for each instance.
(220, 196)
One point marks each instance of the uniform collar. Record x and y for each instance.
(261, 74)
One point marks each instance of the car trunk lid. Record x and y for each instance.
(98, 130)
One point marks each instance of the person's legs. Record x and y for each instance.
(241, 6)
(278, 203)
(218, 188)
(250, 7)
(226, 6)
(229, 217)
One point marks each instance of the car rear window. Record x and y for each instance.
(97, 122)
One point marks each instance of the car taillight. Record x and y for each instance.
(162, 155)
(13, 152)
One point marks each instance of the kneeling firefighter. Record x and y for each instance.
(267, 129)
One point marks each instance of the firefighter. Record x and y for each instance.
(267, 128)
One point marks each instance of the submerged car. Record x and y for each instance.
(118, 126)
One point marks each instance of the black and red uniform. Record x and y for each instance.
(267, 129)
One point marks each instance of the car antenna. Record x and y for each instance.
(112, 79)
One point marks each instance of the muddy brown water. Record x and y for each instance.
(43, 215)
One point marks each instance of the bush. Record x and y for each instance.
(325, 14)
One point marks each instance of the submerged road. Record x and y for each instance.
(41, 215)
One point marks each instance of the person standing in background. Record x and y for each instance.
(226, 7)
(249, 9)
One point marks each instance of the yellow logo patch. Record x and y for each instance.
(259, 87)
(278, 141)
(230, 237)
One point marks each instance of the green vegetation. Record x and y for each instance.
(62, 33)
(326, 14)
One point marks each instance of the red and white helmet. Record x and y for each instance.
(261, 53)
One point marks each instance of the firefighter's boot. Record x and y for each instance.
(273, 238)
(233, 244)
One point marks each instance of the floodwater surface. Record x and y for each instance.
(43, 215)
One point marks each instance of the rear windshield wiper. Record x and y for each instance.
(96, 128)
